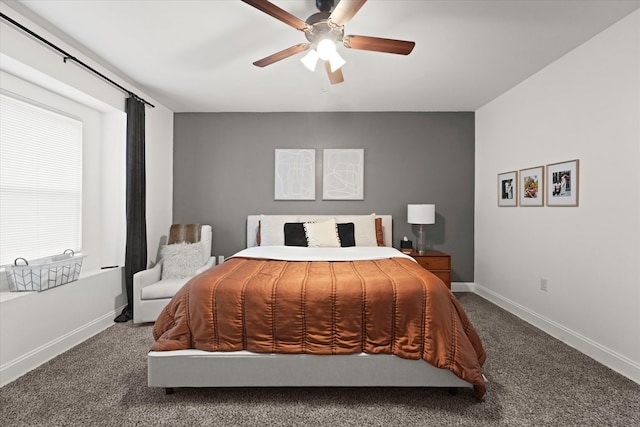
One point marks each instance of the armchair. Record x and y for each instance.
(152, 292)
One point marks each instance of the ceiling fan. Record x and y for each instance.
(324, 30)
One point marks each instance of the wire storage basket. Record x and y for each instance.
(44, 273)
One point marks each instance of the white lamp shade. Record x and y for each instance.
(336, 61)
(421, 214)
(310, 60)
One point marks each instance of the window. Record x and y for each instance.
(40, 181)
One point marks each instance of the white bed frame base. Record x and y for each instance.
(197, 368)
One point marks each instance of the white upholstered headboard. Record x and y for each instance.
(254, 220)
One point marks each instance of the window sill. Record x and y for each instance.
(8, 295)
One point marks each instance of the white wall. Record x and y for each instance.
(37, 326)
(159, 165)
(584, 106)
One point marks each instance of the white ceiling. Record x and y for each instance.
(196, 56)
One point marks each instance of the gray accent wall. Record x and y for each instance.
(224, 171)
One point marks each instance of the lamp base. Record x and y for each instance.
(421, 243)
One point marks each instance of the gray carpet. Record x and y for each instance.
(533, 380)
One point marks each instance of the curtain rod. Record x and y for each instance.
(68, 56)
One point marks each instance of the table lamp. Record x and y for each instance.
(421, 215)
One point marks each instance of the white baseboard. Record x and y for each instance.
(596, 351)
(14, 369)
(462, 287)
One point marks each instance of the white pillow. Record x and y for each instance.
(181, 260)
(272, 229)
(364, 230)
(322, 234)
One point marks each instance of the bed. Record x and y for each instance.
(279, 314)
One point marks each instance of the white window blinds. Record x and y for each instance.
(40, 181)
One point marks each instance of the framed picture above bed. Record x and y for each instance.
(531, 183)
(508, 189)
(295, 174)
(562, 183)
(343, 174)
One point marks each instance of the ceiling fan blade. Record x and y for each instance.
(283, 54)
(273, 10)
(344, 11)
(336, 76)
(378, 44)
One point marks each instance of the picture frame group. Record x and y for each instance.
(342, 174)
(531, 186)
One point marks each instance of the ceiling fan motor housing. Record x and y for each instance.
(321, 29)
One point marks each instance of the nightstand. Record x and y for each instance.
(436, 262)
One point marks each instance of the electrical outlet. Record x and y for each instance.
(544, 285)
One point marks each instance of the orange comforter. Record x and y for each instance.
(390, 306)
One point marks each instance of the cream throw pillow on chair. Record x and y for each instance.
(180, 260)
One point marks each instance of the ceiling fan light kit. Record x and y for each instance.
(326, 49)
(336, 61)
(324, 30)
(310, 60)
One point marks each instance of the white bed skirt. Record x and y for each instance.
(197, 368)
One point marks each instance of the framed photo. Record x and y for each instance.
(562, 183)
(531, 185)
(508, 189)
(343, 174)
(295, 174)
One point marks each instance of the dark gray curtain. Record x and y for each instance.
(136, 249)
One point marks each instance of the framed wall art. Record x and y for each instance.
(295, 174)
(343, 174)
(562, 183)
(508, 189)
(531, 183)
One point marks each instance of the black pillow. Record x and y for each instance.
(294, 234)
(346, 234)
